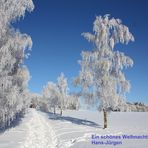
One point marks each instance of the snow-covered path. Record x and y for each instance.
(39, 132)
(34, 131)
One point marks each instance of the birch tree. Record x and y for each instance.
(51, 96)
(63, 88)
(102, 75)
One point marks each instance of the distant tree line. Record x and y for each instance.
(55, 96)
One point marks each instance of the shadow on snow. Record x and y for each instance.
(13, 123)
(73, 120)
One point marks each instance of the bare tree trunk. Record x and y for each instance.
(54, 111)
(61, 112)
(105, 118)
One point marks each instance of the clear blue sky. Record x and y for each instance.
(56, 26)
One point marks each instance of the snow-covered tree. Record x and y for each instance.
(63, 88)
(102, 68)
(13, 45)
(55, 95)
(73, 102)
(35, 100)
(50, 97)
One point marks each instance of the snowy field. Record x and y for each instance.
(76, 129)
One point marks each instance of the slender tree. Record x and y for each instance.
(63, 87)
(51, 96)
(102, 68)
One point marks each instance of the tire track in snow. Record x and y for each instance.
(39, 134)
(71, 142)
(72, 133)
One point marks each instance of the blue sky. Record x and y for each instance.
(56, 26)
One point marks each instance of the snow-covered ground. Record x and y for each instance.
(76, 129)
